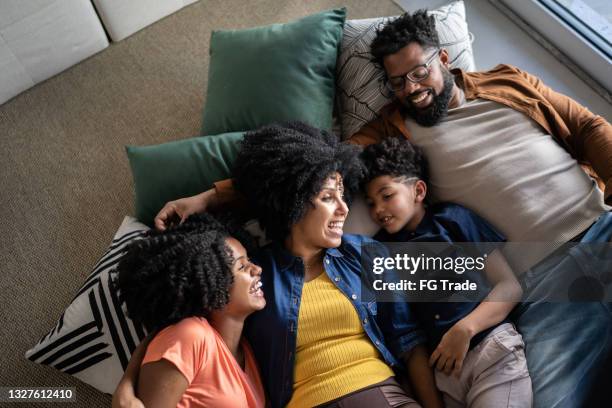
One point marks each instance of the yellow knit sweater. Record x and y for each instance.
(334, 355)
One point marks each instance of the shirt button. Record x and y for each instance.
(337, 279)
(377, 343)
(365, 321)
(354, 296)
(437, 317)
(327, 261)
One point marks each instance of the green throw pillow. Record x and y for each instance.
(274, 73)
(178, 169)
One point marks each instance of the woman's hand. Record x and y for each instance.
(451, 351)
(177, 211)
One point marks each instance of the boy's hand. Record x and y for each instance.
(452, 350)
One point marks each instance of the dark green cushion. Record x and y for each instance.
(178, 169)
(274, 73)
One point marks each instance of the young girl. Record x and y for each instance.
(473, 341)
(194, 285)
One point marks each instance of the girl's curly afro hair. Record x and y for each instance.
(395, 35)
(181, 272)
(282, 167)
(394, 157)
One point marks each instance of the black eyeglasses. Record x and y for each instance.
(418, 74)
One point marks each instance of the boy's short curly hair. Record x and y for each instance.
(178, 273)
(419, 27)
(282, 167)
(395, 157)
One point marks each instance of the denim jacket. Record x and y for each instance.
(272, 332)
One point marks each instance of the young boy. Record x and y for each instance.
(473, 341)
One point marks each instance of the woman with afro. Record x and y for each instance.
(193, 286)
(316, 341)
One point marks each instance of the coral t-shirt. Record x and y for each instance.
(215, 378)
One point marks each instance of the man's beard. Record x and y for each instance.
(438, 108)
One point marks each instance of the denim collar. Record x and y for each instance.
(427, 223)
(287, 260)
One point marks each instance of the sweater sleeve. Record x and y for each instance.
(225, 191)
(390, 123)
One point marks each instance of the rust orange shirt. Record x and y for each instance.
(215, 378)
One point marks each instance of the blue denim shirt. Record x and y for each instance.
(448, 222)
(272, 332)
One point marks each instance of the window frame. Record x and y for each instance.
(544, 17)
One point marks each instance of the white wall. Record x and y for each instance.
(499, 40)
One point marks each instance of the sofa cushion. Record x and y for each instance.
(274, 73)
(94, 339)
(123, 18)
(361, 89)
(39, 39)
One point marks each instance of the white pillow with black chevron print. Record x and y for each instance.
(94, 339)
(360, 84)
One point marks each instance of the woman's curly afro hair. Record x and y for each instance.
(282, 167)
(394, 157)
(395, 35)
(181, 272)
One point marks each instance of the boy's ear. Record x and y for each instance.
(420, 189)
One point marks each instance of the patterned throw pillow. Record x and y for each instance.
(360, 84)
(94, 339)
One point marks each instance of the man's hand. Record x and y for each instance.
(177, 211)
(451, 351)
(125, 393)
(124, 397)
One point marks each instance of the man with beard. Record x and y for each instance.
(508, 147)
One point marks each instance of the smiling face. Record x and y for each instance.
(426, 101)
(396, 204)
(322, 224)
(246, 294)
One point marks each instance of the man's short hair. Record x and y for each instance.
(419, 27)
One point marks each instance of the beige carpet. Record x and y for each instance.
(65, 183)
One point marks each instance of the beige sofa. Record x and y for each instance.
(39, 39)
